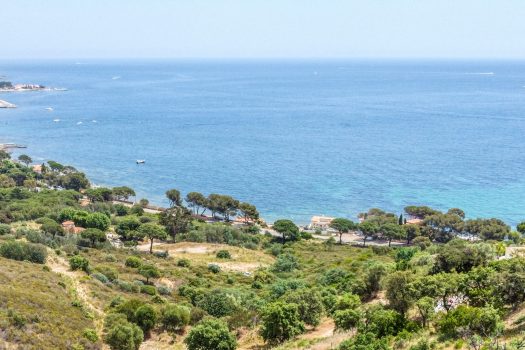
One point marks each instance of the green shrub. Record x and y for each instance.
(133, 261)
(110, 272)
(285, 263)
(422, 242)
(164, 290)
(125, 286)
(78, 262)
(101, 277)
(157, 299)
(309, 305)
(146, 318)
(175, 317)
(196, 315)
(210, 334)
(90, 334)
(223, 254)
(306, 235)
(346, 319)
(219, 303)
(163, 255)
(381, 250)
(110, 258)
(421, 345)
(214, 268)
(183, 263)
(147, 289)
(4, 229)
(124, 336)
(280, 322)
(35, 253)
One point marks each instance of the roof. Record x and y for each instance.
(415, 221)
(321, 219)
(68, 223)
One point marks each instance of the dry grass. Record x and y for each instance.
(40, 298)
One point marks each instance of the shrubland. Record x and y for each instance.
(133, 275)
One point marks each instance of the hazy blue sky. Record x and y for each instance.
(262, 28)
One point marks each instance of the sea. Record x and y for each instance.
(296, 138)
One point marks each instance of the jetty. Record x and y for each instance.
(5, 104)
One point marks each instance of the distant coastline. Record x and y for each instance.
(7, 86)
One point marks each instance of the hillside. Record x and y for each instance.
(80, 268)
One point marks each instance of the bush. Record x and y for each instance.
(219, 303)
(196, 315)
(124, 336)
(35, 253)
(309, 305)
(125, 286)
(175, 317)
(78, 262)
(163, 290)
(146, 318)
(306, 235)
(183, 263)
(147, 289)
(381, 250)
(285, 263)
(214, 268)
(346, 319)
(480, 321)
(210, 334)
(101, 277)
(366, 341)
(163, 255)
(110, 258)
(280, 322)
(90, 334)
(133, 261)
(4, 229)
(422, 242)
(110, 272)
(275, 249)
(223, 254)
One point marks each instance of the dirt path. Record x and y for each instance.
(59, 265)
(323, 330)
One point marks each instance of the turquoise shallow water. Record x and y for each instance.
(296, 138)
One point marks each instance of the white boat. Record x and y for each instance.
(56, 120)
(141, 161)
(49, 109)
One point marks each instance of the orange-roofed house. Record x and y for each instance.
(69, 227)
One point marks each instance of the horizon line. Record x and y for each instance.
(270, 58)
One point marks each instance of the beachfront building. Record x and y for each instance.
(320, 222)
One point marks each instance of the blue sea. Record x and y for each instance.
(295, 138)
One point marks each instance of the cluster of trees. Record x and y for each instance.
(217, 204)
(433, 226)
(131, 321)
(104, 194)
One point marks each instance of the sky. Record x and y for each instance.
(262, 29)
